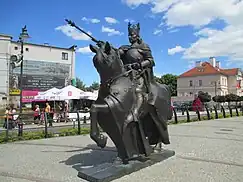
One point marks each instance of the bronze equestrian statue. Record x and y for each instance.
(138, 54)
(132, 108)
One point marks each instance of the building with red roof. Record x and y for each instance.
(210, 77)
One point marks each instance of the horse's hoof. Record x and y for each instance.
(103, 141)
(118, 161)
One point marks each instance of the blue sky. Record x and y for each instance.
(178, 32)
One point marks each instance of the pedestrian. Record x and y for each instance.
(42, 116)
(14, 116)
(37, 114)
(48, 114)
(7, 118)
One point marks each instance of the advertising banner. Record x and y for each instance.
(38, 76)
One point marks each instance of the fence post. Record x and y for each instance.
(20, 128)
(78, 118)
(85, 120)
(236, 110)
(7, 126)
(224, 115)
(187, 115)
(198, 114)
(73, 123)
(175, 115)
(230, 110)
(216, 112)
(45, 120)
(208, 114)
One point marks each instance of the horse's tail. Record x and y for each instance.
(170, 111)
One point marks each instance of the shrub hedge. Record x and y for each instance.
(34, 135)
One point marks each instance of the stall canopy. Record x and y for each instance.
(90, 95)
(52, 91)
(69, 92)
(47, 95)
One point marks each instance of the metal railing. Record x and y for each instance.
(22, 125)
(18, 126)
(206, 113)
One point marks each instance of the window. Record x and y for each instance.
(64, 56)
(27, 49)
(200, 83)
(16, 48)
(190, 83)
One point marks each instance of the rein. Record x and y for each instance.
(126, 73)
(111, 80)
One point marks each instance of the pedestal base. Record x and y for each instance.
(110, 171)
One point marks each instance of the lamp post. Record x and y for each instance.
(22, 37)
(216, 89)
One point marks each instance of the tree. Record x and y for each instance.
(170, 80)
(219, 98)
(94, 86)
(216, 98)
(231, 98)
(204, 96)
(80, 84)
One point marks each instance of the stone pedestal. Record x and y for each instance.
(110, 171)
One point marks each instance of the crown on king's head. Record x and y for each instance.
(133, 28)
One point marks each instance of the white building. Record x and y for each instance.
(44, 67)
(210, 77)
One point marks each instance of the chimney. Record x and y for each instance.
(218, 64)
(212, 61)
(198, 63)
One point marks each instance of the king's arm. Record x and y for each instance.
(123, 49)
(148, 60)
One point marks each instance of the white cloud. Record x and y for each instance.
(129, 20)
(94, 20)
(91, 20)
(111, 20)
(226, 42)
(206, 32)
(173, 30)
(72, 32)
(111, 31)
(157, 32)
(84, 50)
(191, 64)
(135, 3)
(158, 74)
(199, 14)
(176, 49)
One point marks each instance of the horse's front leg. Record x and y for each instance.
(100, 139)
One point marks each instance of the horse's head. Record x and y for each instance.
(107, 61)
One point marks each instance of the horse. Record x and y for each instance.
(113, 107)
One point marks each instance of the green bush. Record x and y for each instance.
(35, 135)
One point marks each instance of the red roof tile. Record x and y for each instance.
(207, 69)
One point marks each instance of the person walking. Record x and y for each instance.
(8, 118)
(37, 114)
(47, 111)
